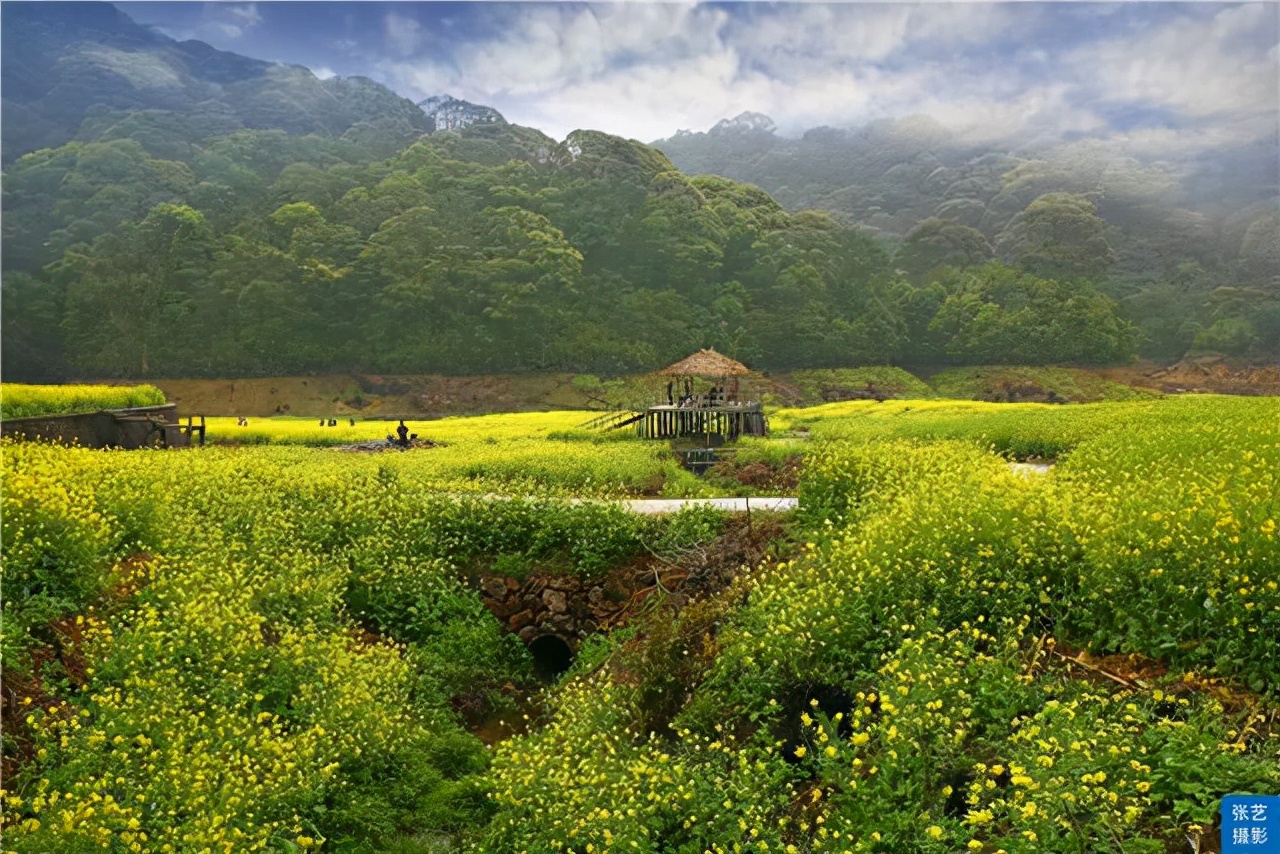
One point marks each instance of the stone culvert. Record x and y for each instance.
(552, 614)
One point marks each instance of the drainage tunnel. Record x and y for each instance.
(551, 657)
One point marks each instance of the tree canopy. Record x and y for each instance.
(494, 248)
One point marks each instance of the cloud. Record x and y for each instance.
(323, 72)
(1196, 68)
(985, 70)
(402, 34)
(232, 20)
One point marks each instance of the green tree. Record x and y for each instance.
(1057, 235)
(935, 243)
(130, 294)
(1002, 315)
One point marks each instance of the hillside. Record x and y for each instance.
(88, 72)
(215, 215)
(890, 175)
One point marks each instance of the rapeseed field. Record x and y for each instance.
(261, 647)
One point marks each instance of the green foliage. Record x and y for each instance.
(1059, 234)
(272, 641)
(935, 243)
(996, 314)
(481, 251)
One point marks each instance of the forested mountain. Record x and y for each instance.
(86, 71)
(1189, 246)
(891, 174)
(285, 224)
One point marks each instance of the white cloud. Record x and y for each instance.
(1188, 66)
(402, 34)
(231, 19)
(985, 70)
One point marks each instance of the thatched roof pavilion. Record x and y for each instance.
(714, 412)
(705, 363)
(712, 415)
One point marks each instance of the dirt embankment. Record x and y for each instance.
(435, 396)
(1209, 373)
(373, 396)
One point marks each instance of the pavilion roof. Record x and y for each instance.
(705, 363)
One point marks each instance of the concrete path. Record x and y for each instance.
(1029, 469)
(732, 505)
(769, 504)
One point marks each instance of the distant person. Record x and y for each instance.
(242, 421)
(670, 399)
(321, 422)
(353, 421)
(333, 422)
(403, 432)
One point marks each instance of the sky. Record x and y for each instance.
(1155, 76)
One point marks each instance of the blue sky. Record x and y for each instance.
(1156, 77)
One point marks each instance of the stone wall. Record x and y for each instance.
(560, 605)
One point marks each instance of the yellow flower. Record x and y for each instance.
(934, 832)
(980, 817)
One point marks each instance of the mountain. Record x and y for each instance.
(65, 63)
(890, 175)
(883, 176)
(450, 113)
(747, 122)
